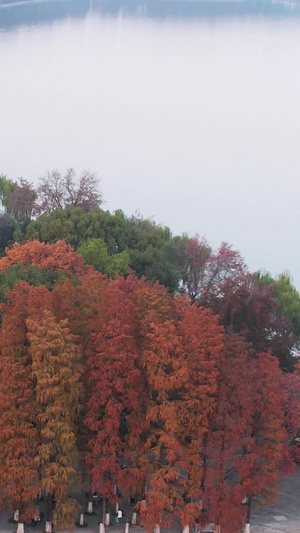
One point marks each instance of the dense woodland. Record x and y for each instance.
(121, 344)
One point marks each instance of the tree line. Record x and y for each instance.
(264, 310)
(193, 386)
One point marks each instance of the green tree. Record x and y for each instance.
(7, 228)
(71, 224)
(95, 253)
(6, 189)
(286, 296)
(32, 274)
(147, 244)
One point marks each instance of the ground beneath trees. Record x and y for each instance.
(282, 517)
(284, 514)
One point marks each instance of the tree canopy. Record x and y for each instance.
(119, 371)
(122, 344)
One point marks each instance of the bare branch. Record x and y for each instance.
(58, 192)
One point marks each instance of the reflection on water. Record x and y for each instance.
(33, 12)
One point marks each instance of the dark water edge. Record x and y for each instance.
(35, 12)
(14, 14)
(198, 9)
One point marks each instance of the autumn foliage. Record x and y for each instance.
(57, 368)
(157, 399)
(56, 257)
(19, 437)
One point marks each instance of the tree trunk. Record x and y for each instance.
(117, 503)
(49, 513)
(217, 529)
(90, 509)
(16, 515)
(107, 519)
(133, 519)
(81, 516)
(186, 529)
(157, 529)
(102, 523)
(247, 525)
(127, 520)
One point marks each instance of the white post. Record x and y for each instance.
(48, 527)
(127, 527)
(186, 529)
(248, 502)
(20, 528)
(157, 529)
(217, 529)
(107, 519)
(101, 528)
(16, 515)
(133, 519)
(90, 507)
(81, 519)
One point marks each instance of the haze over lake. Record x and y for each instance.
(188, 111)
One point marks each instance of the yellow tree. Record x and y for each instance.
(57, 368)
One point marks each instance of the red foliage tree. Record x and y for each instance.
(268, 427)
(19, 436)
(57, 257)
(192, 257)
(203, 341)
(230, 438)
(291, 386)
(162, 359)
(222, 282)
(115, 389)
(204, 272)
(180, 357)
(246, 443)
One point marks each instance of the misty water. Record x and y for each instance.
(188, 111)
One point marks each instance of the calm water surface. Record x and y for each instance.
(190, 112)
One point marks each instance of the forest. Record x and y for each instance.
(162, 370)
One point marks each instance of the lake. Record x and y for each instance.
(188, 111)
